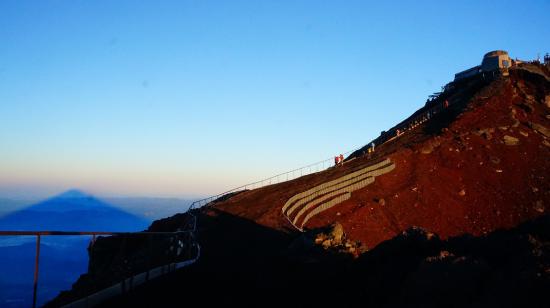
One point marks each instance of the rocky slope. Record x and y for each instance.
(478, 166)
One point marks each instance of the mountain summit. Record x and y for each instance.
(73, 193)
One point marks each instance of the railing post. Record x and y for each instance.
(35, 283)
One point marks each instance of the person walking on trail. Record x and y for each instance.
(372, 146)
(336, 160)
(341, 159)
(446, 104)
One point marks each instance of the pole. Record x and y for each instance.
(35, 284)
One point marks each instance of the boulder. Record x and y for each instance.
(327, 244)
(509, 140)
(485, 133)
(337, 233)
(539, 206)
(541, 129)
(429, 146)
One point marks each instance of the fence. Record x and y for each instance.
(279, 178)
(177, 240)
(393, 133)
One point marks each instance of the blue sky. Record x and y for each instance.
(187, 98)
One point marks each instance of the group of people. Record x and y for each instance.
(371, 148)
(419, 120)
(339, 160)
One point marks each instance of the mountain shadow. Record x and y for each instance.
(62, 258)
(73, 210)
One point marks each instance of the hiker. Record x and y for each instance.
(336, 160)
(372, 146)
(446, 104)
(341, 159)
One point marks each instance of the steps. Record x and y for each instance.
(323, 197)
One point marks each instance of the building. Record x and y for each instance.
(497, 60)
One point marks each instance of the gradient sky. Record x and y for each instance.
(187, 98)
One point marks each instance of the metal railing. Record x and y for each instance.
(392, 134)
(175, 237)
(276, 179)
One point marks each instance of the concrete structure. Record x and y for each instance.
(322, 197)
(497, 60)
(468, 73)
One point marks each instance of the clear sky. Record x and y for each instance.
(187, 98)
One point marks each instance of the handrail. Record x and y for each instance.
(66, 233)
(101, 295)
(138, 279)
(405, 126)
(275, 179)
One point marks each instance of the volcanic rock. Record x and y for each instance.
(509, 140)
(539, 206)
(337, 233)
(541, 129)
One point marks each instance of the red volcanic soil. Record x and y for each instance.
(454, 174)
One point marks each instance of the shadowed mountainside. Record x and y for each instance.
(247, 265)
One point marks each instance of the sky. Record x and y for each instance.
(191, 98)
